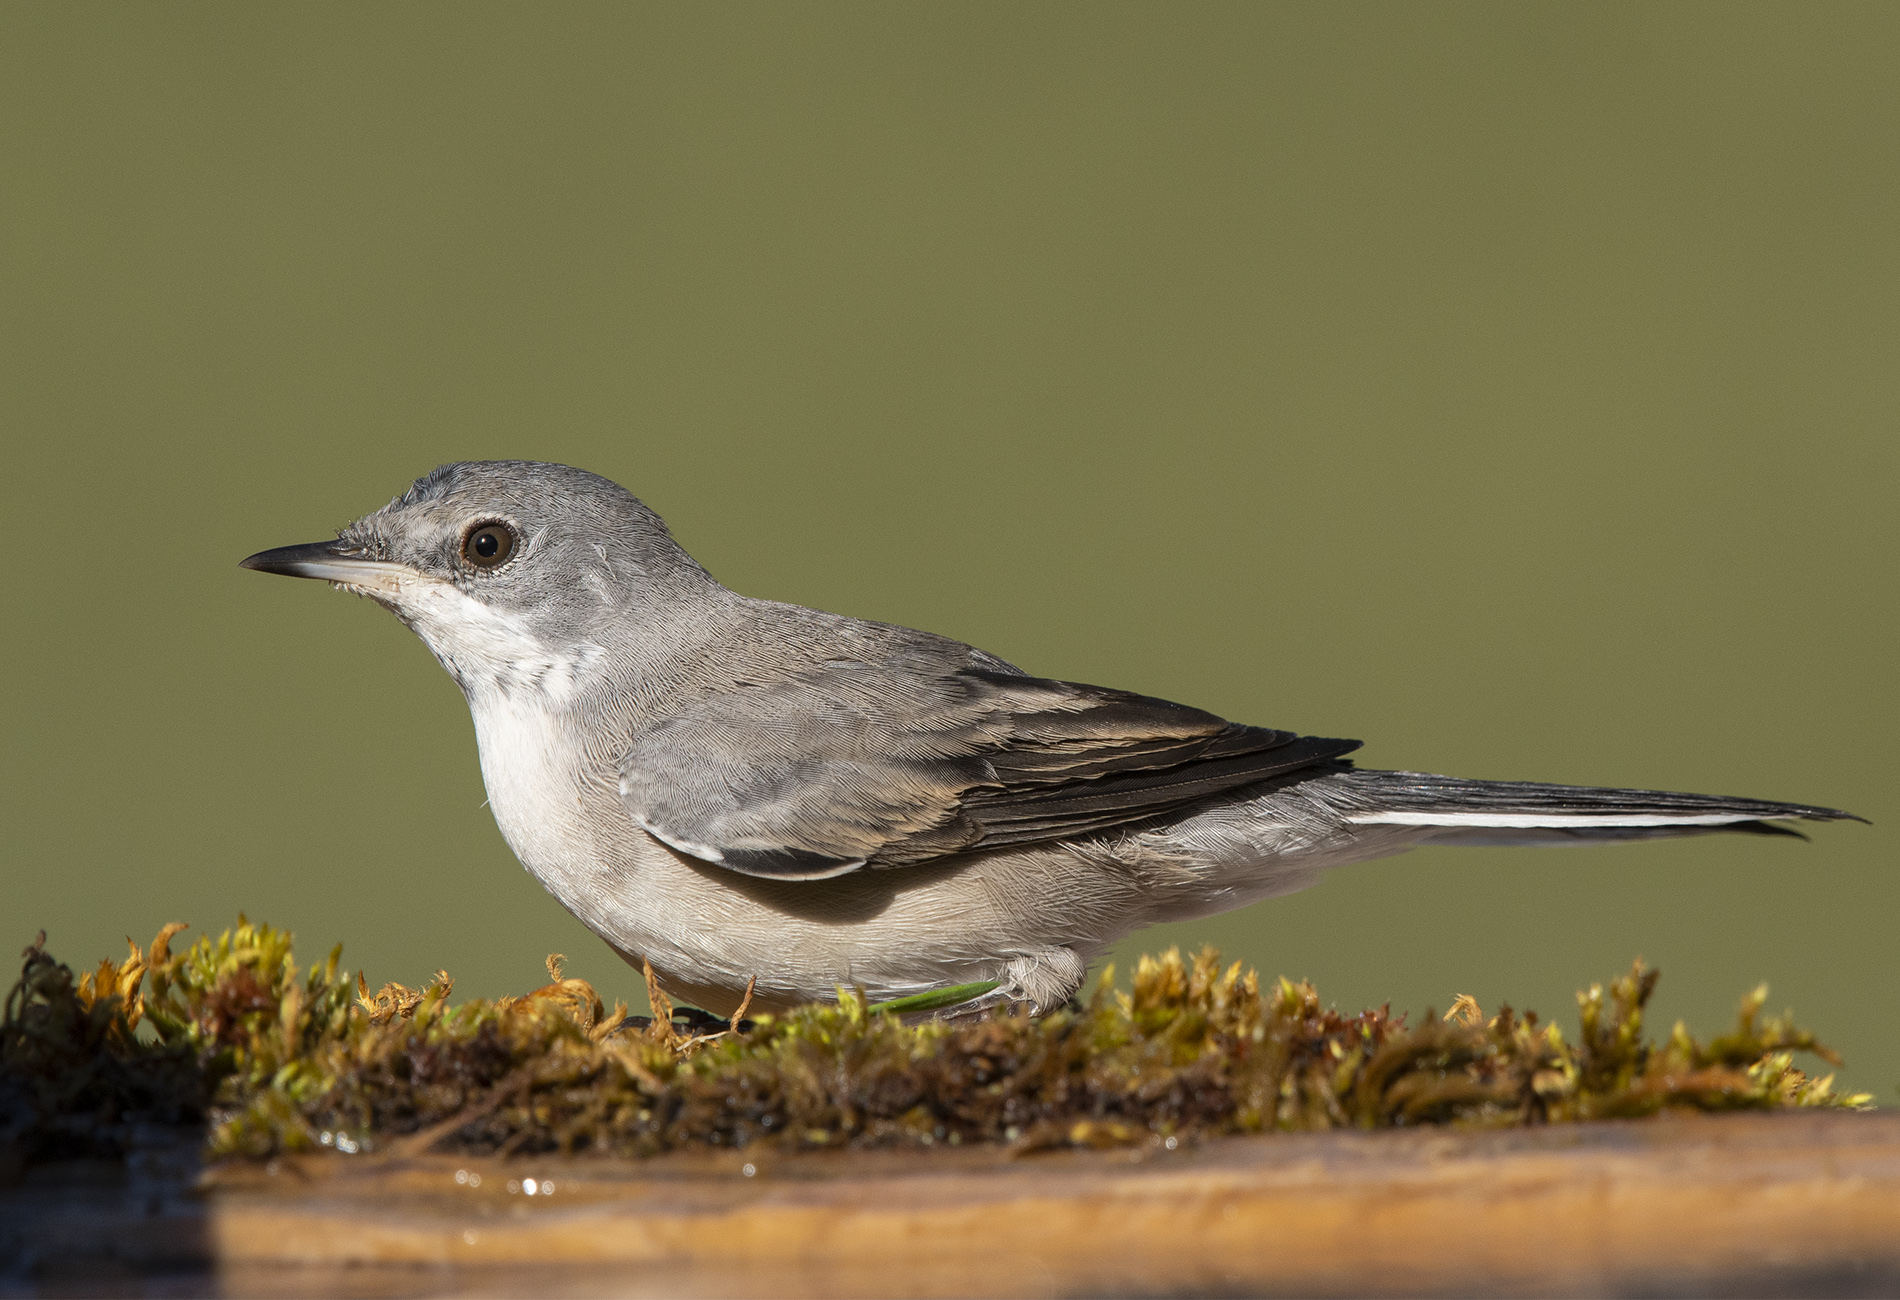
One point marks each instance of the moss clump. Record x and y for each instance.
(233, 1034)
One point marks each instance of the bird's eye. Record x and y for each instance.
(488, 545)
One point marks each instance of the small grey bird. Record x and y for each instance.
(734, 788)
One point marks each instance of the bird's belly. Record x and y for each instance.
(706, 929)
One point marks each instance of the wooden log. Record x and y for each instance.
(1756, 1204)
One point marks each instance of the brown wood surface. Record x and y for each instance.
(1682, 1205)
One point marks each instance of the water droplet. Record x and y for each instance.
(528, 1186)
(749, 1170)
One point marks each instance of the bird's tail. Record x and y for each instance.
(1524, 812)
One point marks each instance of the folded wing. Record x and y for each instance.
(837, 768)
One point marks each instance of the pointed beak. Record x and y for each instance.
(330, 562)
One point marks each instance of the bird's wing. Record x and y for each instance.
(839, 767)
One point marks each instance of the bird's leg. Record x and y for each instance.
(1043, 981)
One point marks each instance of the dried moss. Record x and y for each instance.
(232, 1034)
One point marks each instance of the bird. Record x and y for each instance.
(753, 798)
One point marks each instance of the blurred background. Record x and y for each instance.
(1514, 387)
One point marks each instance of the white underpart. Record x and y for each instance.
(517, 686)
(1537, 821)
(483, 648)
(532, 784)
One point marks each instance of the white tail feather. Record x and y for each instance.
(1538, 821)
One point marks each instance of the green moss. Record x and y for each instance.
(232, 1034)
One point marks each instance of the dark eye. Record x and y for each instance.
(488, 545)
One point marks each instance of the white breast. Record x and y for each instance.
(518, 688)
(532, 776)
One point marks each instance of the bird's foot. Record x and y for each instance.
(1039, 982)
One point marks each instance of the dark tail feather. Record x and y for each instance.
(1524, 812)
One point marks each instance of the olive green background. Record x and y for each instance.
(1513, 386)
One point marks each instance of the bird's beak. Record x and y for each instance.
(330, 562)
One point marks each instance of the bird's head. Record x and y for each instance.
(510, 571)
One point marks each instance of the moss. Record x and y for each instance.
(231, 1033)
